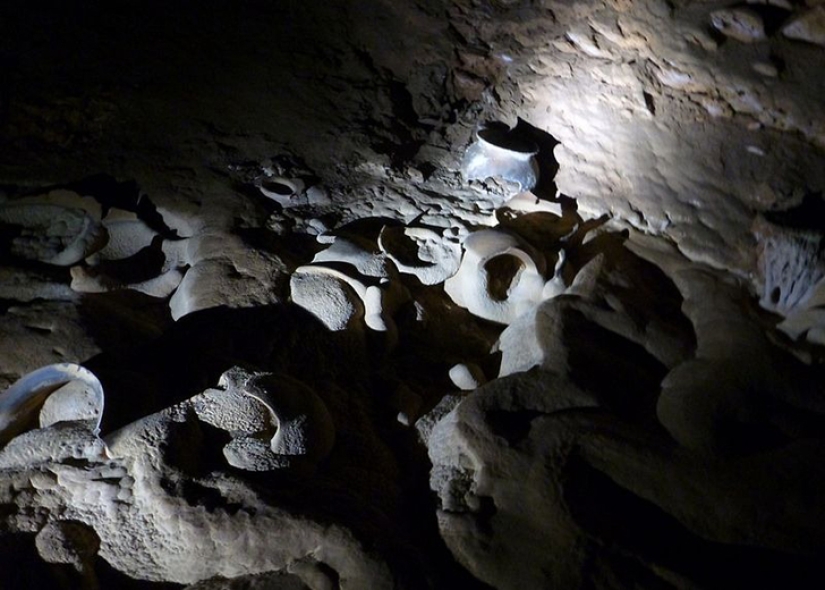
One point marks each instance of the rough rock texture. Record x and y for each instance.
(343, 347)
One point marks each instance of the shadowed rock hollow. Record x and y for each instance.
(372, 294)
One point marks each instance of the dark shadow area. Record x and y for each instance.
(637, 535)
(22, 567)
(773, 17)
(548, 166)
(193, 352)
(405, 139)
(512, 425)
(108, 577)
(808, 215)
(111, 193)
(619, 372)
(142, 266)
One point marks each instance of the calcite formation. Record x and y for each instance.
(468, 294)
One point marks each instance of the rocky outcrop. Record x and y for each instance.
(412, 295)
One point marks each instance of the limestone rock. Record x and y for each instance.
(224, 272)
(700, 416)
(268, 581)
(740, 24)
(43, 333)
(523, 465)
(329, 297)
(62, 392)
(51, 233)
(419, 251)
(26, 285)
(467, 377)
(63, 441)
(657, 420)
(498, 154)
(135, 496)
(500, 277)
(67, 542)
(807, 26)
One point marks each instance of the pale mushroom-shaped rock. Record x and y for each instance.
(346, 283)
(50, 232)
(302, 426)
(128, 235)
(432, 257)
(467, 376)
(367, 263)
(332, 296)
(499, 154)
(154, 266)
(247, 421)
(500, 277)
(225, 271)
(78, 398)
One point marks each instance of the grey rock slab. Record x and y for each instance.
(43, 333)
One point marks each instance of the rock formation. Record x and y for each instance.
(472, 294)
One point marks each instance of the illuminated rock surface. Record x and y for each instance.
(345, 345)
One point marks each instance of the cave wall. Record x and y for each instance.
(332, 360)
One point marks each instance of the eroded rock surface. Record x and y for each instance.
(467, 294)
